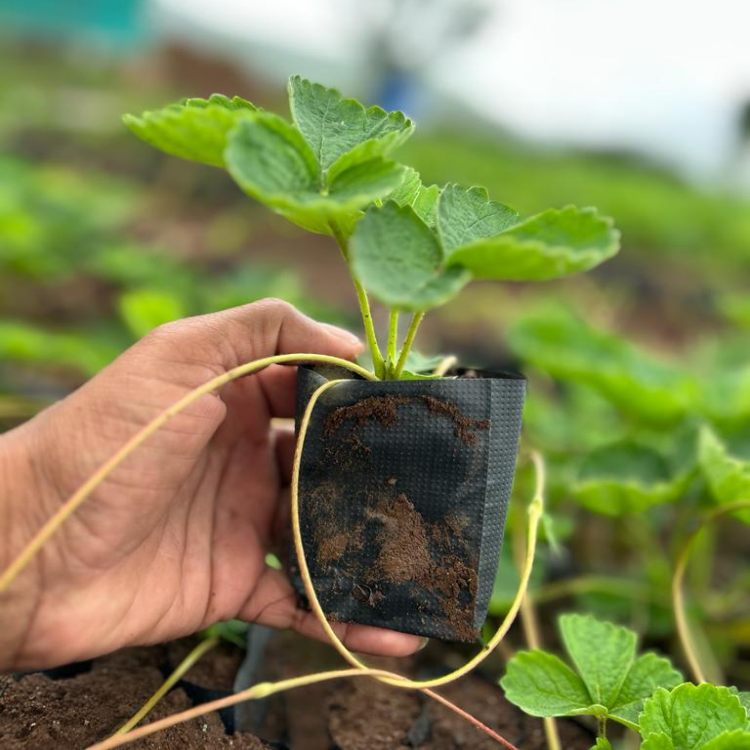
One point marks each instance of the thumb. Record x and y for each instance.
(231, 337)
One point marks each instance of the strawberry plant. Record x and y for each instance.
(644, 693)
(330, 170)
(606, 680)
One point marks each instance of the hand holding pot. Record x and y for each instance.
(175, 539)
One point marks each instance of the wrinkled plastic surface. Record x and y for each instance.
(403, 493)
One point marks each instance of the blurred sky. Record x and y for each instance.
(667, 78)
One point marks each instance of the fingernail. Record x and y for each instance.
(423, 643)
(343, 334)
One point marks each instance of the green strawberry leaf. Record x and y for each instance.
(422, 363)
(728, 477)
(542, 684)
(626, 477)
(411, 375)
(694, 717)
(744, 696)
(608, 681)
(648, 672)
(219, 100)
(423, 199)
(604, 668)
(466, 215)
(736, 740)
(194, 129)
(366, 181)
(602, 743)
(363, 152)
(657, 742)
(555, 243)
(270, 161)
(268, 156)
(396, 256)
(342, 132)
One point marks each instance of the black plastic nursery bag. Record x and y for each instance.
(403, 493)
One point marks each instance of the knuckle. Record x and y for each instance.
(273, 307)
(163, 333)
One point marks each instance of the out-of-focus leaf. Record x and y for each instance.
(422, 363)
(569, 349)
(25, 343)
(626, 477)
(145, 309)
(736, 308)
(507, 581)
(728, 476)
(726, 394)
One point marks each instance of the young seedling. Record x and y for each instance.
(411, 246)
(606, 680)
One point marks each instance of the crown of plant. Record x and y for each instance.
(330, 171)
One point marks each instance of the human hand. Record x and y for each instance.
(176, 537)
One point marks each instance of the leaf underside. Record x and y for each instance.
(194, 129)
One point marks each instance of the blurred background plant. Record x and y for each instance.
(639, 373)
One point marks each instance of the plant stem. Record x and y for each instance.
(534, 640)
(408, 342)
(72, 503)
(202, 648)
(678, 597)
(601, 722)
(378, 362)
(392, 343)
